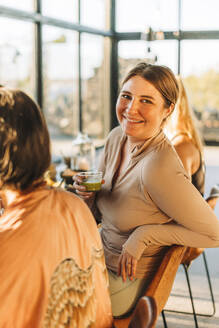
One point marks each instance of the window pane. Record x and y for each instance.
(65, 9)
(27, 5)
(200, 69)
(60, 62)
(93, 13)
(200, 15)
(136, 16)
(132, 52)
(17, 64)
(94, 79)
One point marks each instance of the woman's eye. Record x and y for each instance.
(146, 101)
(125, 96)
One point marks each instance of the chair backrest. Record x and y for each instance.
(161, 284)
(145, 314)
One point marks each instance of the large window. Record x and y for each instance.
(93, 79)
(40, 54)
(200, 69)
(17, 61)
(60, 81)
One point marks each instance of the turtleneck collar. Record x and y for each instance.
(139, 147)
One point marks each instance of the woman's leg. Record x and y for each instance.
(124, 295)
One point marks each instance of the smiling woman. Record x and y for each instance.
(147, 201)
(141, 113)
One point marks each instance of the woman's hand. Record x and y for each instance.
(81, 190)
(127, 266)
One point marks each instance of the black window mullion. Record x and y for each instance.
(114, 76)
(179, 40)
(39, 61)
(79, 71)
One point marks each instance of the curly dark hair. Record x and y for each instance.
(24, 140)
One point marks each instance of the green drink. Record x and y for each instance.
(91, 180)
(92, 186)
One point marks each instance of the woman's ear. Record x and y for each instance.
(169, 110)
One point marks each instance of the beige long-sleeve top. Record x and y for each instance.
(151, 205)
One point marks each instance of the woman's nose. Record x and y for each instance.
(132, 106)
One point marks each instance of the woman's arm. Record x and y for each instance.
(166, 235)
(193, 223)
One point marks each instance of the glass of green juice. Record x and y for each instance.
(91, 180)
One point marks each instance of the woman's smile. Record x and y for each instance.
(132, 120)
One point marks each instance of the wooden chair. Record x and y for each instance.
(145, 314)
(160, 287)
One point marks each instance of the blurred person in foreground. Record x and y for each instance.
(53, 271)
(147, 201)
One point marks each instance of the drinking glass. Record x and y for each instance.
(91, 180)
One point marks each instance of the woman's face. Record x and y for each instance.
(140, 109)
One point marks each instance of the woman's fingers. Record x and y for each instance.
(121, 271)
(85, 195)
(133, 268)
(79, 187)
(123, 268)
(81, 190)
(127, 265)
(77, 179)
(78, 182)
(119, 265)
(129, 268)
